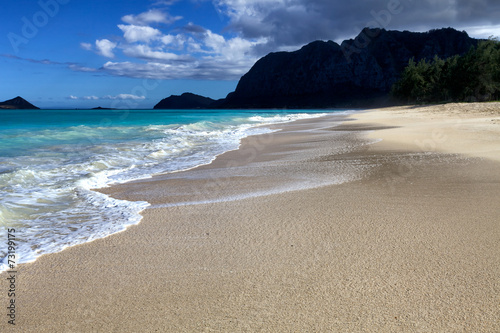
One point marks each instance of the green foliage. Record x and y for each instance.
(474, 76)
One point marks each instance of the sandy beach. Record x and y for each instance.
(389, 222)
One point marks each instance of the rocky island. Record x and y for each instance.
(17, 103)
(185, 101)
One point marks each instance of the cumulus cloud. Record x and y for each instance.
(206, 55)
(134, 33)
(231, 49)
(105, 48)
(145, 52)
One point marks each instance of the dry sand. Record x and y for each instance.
(406, 238)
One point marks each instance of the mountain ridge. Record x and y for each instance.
(357, 73)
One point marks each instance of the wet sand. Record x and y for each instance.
(334, 231)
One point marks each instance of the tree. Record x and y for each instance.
(474, 76)
(412, 82)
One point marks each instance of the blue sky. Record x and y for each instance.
(131, 54)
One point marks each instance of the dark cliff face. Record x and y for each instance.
(17, 103)
(359, 72)
(185, 101)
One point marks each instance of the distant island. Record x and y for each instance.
(185, 101)
(101, 108)
(17, 103)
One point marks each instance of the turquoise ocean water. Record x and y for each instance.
(50, 160)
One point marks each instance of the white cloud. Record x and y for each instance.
(192, 52)
(192, 46)
(239, 8)
(151, 16)
(164, 2)
(134, 33)
(209, 68)
(168, 39)
(86, 46)
(124, 96)
(214, 41)
(232, 49)
(119, 96)
(79, 68)
(105, 47)
(176, 42)
(142, 51)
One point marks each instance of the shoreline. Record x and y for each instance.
(128, 210)
(409, 244)
(228, 166)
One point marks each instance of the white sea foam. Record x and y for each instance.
(47, 195)
(285, 118)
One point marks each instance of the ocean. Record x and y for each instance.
(50, 160)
